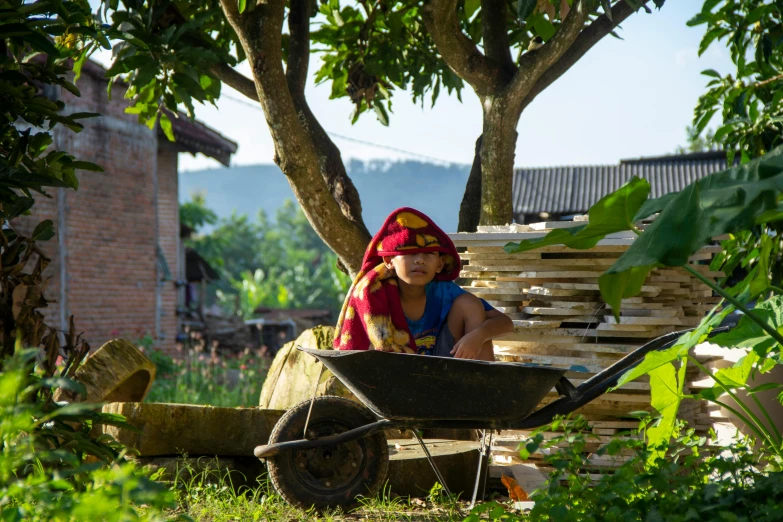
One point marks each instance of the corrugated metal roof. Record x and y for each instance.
(573, 190)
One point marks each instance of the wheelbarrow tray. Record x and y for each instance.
(408, 387)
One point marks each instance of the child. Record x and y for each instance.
(405, 300)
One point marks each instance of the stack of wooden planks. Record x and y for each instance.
(560, 320)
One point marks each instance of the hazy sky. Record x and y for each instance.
(625, 98)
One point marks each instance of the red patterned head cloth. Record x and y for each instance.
(372, 315)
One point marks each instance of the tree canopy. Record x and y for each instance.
(749, 100)
(279, 263)
(176, 53)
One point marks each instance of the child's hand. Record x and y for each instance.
(469, 346)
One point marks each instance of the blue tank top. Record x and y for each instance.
(440, 297)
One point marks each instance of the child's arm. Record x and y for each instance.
(495, 324)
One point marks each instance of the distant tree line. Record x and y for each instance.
(279, 263)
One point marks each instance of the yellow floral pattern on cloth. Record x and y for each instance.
(411, 220)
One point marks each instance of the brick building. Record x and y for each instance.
(117, 257)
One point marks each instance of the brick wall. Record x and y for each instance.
(108, 225)
(168, 239)
(109, 229)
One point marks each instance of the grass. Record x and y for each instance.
(217, 380)
(210, 496)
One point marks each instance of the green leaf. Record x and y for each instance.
(721, 203)
(380, 110)
(612, 213)
(337, 18)
(544, 28)
(86, 165)
(65, 384)
(471, 6)
(618, 286)
(765, 387)
(607, 9)
(44, 231)
(665, 398)
(737, 375)
(165, 126)
(748, 334)
(681, 349)
(73, 409)
(242, 6)
(525, 8)
(711, 72)
(653, 206)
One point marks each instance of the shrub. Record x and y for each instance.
(51, 469)
(692, 482)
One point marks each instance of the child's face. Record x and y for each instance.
(415, 269)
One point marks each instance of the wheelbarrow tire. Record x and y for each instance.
(333, 476)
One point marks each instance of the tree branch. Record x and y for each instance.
(583, 43)
(298, 45)
(496, 46)
(297, 152)
(535, 63)
(458, 51)
(235, 79)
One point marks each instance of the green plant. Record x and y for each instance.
(209, 379)
(44, 471)
(280, 263)
(687, 481)
(733, 201)
(750, 98)
(40, 44)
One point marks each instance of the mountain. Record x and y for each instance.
(383, 186)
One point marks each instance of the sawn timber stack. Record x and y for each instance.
(552, 296)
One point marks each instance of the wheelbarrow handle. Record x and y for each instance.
(573, 397)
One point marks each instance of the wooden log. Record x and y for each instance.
(116, 372)
(177, 429)
(292, 377)
(410, 473)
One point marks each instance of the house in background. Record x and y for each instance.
(553, 193)
(117, 257)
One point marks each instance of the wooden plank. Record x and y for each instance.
(528, 323)
(583, 286)
(541, 310)
(626, 320)
(605, 245)
(574, 335)
(468, 238)
(514, 262)
(560, 274)
(620, 349)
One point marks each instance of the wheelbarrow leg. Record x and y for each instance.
(486, 447)
(432, 463)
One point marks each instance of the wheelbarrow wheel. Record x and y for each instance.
(330, 476)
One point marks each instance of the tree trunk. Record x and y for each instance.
(499, 141)
(470, 209)
(296, 154)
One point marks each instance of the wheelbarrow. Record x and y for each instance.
(328, 451)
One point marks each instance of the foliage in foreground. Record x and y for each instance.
(691, 482)
(741, 201)
(52, 469)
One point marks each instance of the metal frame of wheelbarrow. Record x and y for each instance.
(571, 398)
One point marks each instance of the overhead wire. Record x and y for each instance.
(351, 139)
